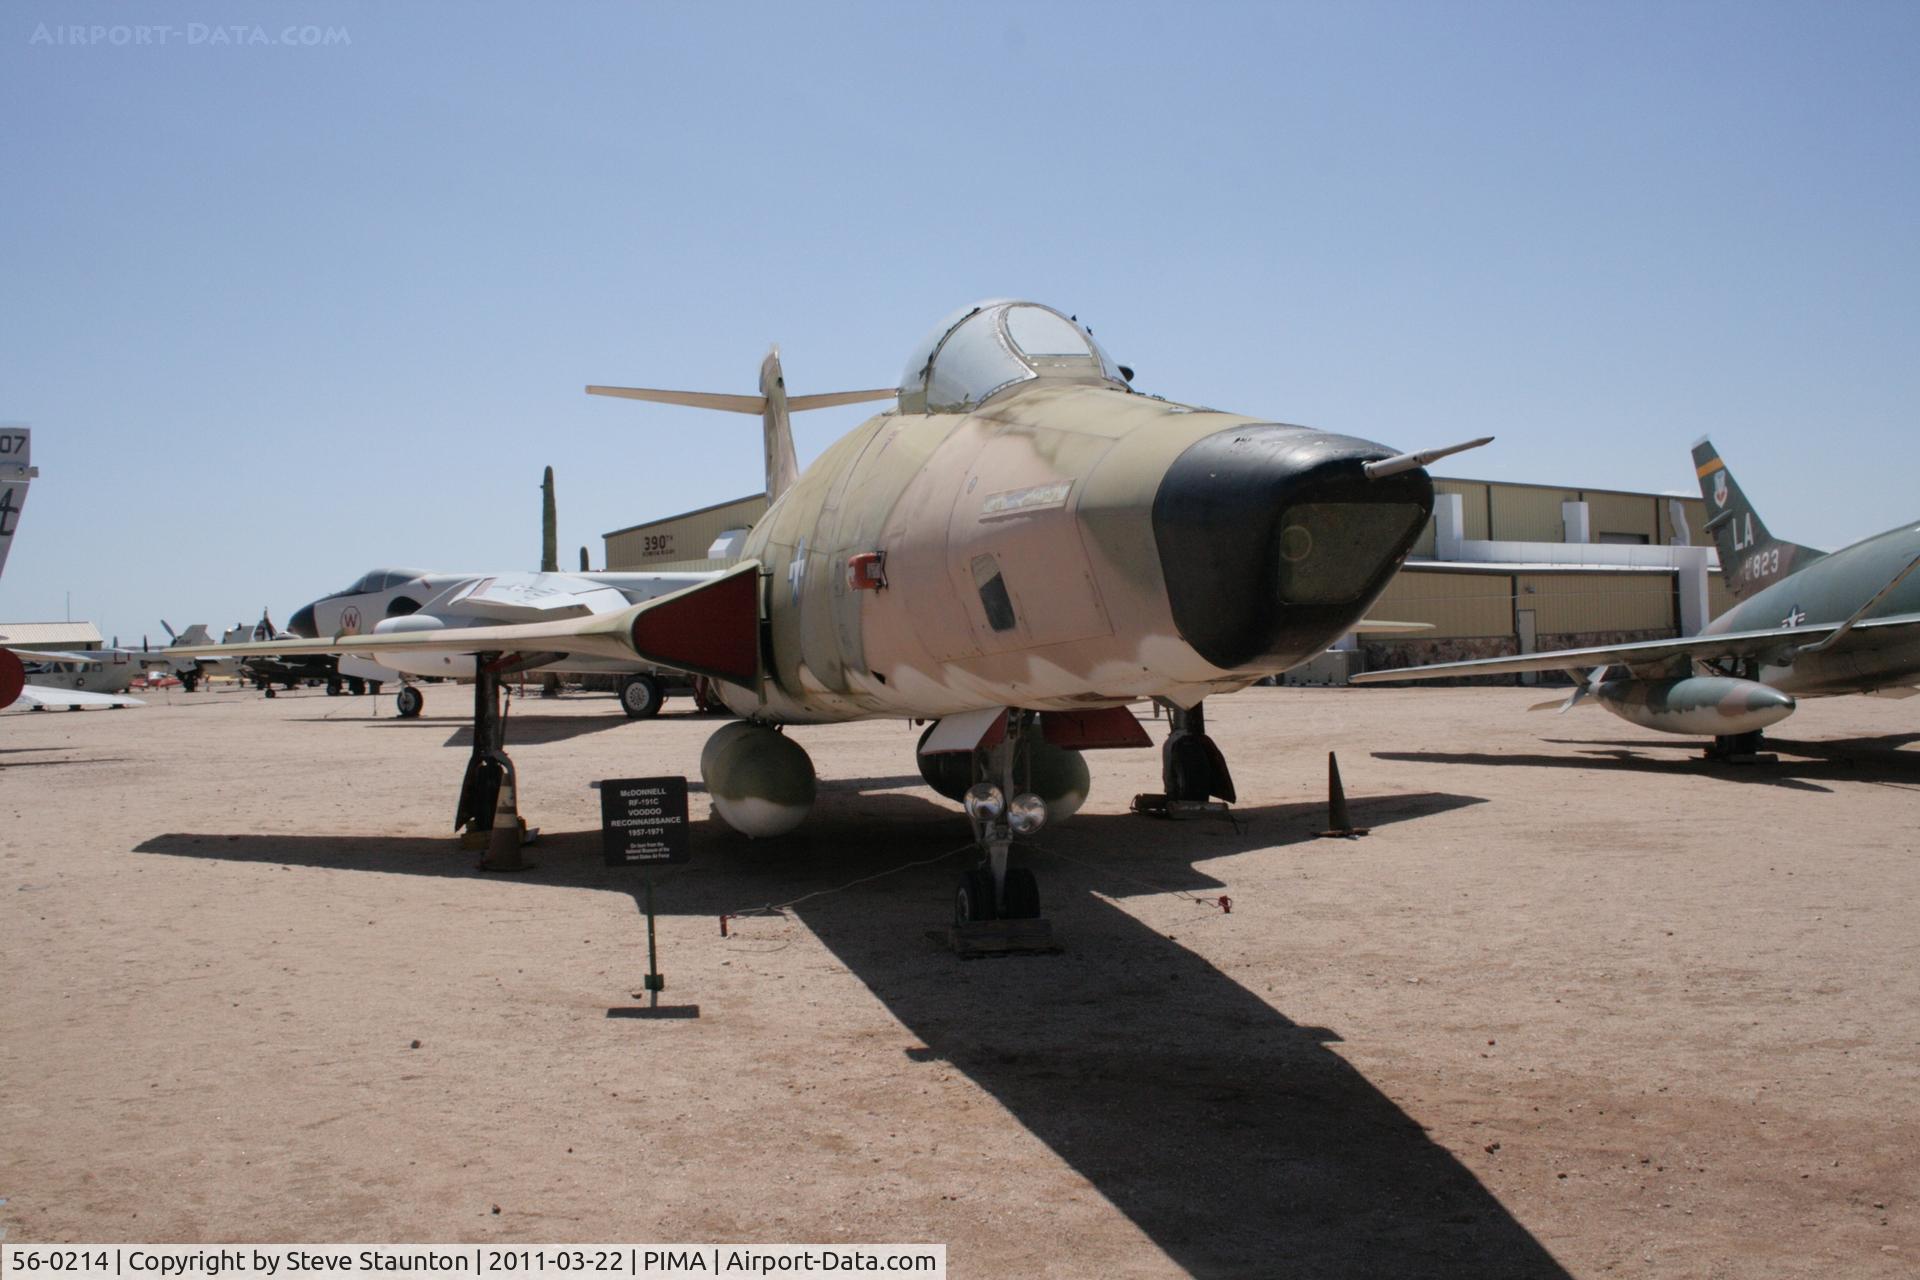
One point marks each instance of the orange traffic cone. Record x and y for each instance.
(1339, 821)
(505, 844)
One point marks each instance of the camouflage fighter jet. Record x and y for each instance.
(1017, 550)
(1805, 624)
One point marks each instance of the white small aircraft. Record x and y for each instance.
(42, 679)
(395, 601)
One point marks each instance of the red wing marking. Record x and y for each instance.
(1107, 728)
(713, 630)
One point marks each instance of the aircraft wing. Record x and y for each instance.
(93, 659)
(1648, 657)
(526, 597)
(39, 695)
(710, 628)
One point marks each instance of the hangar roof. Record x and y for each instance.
(66, 635)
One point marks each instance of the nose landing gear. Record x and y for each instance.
(996, 908)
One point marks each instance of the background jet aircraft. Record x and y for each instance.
(409, 601)
(1019, 549)
(1806, 624)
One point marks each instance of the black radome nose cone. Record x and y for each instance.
(1274, 542)
(302, 624)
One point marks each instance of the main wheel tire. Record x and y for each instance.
(973, 901)
(409, 701)
(1022, 894)
(1196, 771)
(267, 689)
(333, 686)
(641, 696)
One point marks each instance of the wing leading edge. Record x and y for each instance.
(710, 628)
(1647, 657)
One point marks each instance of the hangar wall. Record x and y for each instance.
(1516, 585)
(1495, 510)
(681, 542)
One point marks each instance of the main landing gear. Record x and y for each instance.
(1739, 748)
(488, 814)
(1191, 766)
(641, 696)
(1001, 805)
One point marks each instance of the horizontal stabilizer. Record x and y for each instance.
(743, 404)
(691, 399)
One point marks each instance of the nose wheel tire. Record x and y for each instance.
(640, 697)
(409, 701)
(973, 901)
(1022, 894)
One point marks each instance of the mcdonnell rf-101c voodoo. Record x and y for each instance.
(1018, 549)
(1806, 624)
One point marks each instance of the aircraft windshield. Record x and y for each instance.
(980, 352)
(378, 580)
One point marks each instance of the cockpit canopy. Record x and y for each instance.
(379, 580)
(982, 350)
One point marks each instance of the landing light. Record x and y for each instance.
(1027, 814)
(985, 802)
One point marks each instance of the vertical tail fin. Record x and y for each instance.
(1750, 556)
(15, 472)
(773, 404)
(776, 428)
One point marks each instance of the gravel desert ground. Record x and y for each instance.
(1580, 1005)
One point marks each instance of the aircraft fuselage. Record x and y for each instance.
(1067, 546)
(1830, 590)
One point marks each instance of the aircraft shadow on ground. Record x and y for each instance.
(1230, 1135)
(29, 764)
(1801, 766)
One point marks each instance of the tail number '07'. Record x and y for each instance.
(1763, 565)
(12, 443)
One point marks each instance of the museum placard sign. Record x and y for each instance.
(643, 821)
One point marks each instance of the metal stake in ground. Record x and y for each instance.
(656, 982)
(1339, 821)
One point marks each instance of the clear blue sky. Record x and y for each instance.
(280, 313)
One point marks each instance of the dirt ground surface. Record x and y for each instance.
(1579, 1005)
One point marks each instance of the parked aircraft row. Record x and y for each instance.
(1021, 546)
(1017, 549)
